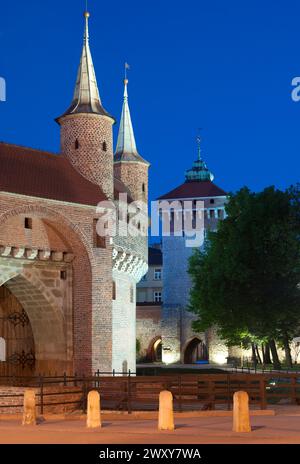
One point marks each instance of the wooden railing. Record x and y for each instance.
(135, 393)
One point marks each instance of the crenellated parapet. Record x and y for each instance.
(126, 262)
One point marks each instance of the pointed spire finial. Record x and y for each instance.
(126, 67)
(199, 171)
(86, 14)
(198, 140)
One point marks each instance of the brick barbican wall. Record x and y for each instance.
(90, 159)
(133, 175)
(65, 227)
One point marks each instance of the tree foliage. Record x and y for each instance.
(246, 279)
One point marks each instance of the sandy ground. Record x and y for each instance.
(281, 428)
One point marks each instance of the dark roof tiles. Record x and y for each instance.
(37, 173)
(194, 190)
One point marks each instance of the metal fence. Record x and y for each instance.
(248, 368)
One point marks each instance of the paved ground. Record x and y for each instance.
(282, 428)
(205, 367)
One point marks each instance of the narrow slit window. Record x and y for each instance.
(114, 291)
(28, 223)
(131, 294)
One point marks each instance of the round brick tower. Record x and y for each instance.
(86, 127)
(129, 166)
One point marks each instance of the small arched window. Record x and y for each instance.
(143, 187)
(2, 349)
(76, 144)
(104, 146)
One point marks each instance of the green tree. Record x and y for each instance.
(246, 279)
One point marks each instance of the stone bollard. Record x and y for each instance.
(93, 410)
(241, 415)
(166, 416)
(29, 413)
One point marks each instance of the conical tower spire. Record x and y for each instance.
(126, 140)
(86, 97)
(86, 137)
(126, 146)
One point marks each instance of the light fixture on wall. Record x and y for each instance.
(219, 358)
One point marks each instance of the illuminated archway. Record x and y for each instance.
(195, 351)
(154, 352)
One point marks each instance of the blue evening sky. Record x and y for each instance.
(223, 66)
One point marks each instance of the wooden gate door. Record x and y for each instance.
(17, 355)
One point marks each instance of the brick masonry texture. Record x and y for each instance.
(76, 325)
(94, 163)
(134, 175)
(64, 227)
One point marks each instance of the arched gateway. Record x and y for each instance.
(41, 309)
(154, 352)
(195, 351)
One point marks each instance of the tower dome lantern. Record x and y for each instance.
(199, 171)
